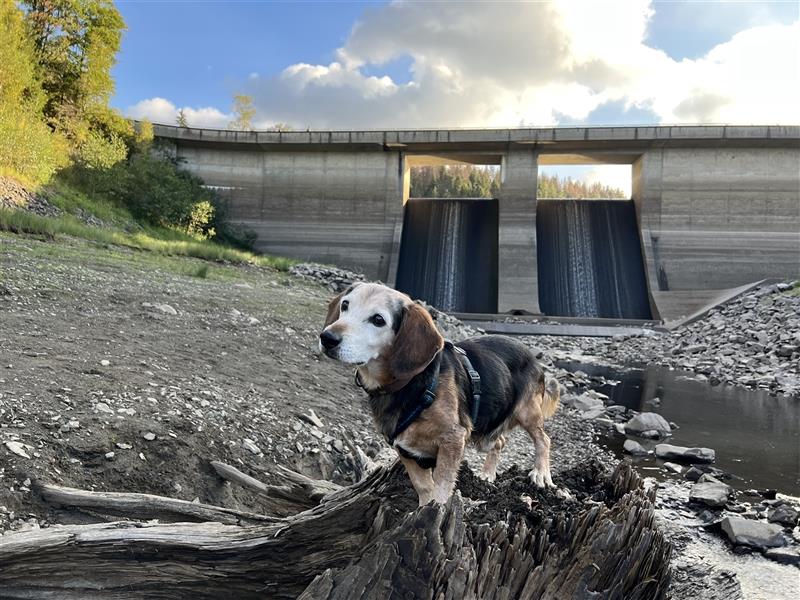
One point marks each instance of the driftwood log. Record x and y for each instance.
(367, 540)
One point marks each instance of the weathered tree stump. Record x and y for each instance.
(364, 541)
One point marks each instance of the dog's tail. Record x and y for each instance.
(552, 393)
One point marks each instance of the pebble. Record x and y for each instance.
(17, 448)
(251, 446)
(149, 436)
(163, 308)
(105, 363)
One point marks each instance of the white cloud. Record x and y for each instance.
(159, 110)
(509, 64)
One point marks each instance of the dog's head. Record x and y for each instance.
(372, 324)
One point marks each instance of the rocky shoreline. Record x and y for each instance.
(751, 341)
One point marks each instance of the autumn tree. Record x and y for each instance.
(244, 112)
(75, 45)
(28, 147)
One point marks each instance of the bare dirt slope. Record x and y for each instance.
(124, 371)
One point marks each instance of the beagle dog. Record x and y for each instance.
(430, 398)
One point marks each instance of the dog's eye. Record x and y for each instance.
(377, 320)
(345, 304)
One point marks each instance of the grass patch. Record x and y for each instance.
(156, 240)
(71, 200)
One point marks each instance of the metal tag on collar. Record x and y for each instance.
(428, 397)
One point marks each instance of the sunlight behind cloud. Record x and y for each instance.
(521, 64)
(159, 110)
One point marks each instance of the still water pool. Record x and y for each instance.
(756, 436)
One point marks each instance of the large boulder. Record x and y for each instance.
(670, 452)
(648, 424)
(757, 534)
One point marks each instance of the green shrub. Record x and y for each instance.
(101, 151)
(201, 220)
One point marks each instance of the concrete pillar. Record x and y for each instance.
(395, 213)
(517, 268)
(646, 192)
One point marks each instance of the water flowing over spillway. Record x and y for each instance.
(590, 259)
(448, 253)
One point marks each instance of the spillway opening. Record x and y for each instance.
(590, 261)
(448, 253)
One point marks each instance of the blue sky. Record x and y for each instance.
(358, 65)
(198, 54)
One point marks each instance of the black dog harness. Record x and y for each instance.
(429, 395)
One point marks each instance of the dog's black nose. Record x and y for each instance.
(329, 340)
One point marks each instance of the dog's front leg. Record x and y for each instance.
(421, 479)
(448, 461)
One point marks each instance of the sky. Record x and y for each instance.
(362, 65)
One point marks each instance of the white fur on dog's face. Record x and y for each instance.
(366, 323)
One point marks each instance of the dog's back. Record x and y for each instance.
(510, 375)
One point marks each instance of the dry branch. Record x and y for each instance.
(295, 494)
(145, 506)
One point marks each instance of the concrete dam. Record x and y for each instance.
(712, 208)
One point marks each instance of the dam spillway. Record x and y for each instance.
(590, 259)
(448, 253)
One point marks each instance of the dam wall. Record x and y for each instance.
(334, 207)
(716, 206)
(716, 218)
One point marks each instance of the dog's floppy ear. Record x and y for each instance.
(415, 344)
(335, 303)
(333, 309)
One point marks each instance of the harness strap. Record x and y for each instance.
(429, 395)
(474, 378)
(427, 398)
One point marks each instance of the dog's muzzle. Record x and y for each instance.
(329, 342)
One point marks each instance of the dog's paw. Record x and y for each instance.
(541, 478)
(490, 477)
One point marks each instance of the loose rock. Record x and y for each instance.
(756, 534)
(646, 422)
(635, 448)
(783, 514)
(710, 493)
(668, 451)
